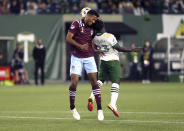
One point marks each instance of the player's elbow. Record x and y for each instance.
(68, 39)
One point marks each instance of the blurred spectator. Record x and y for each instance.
(83, 4)
(114, 9)
(134, 60)
(32, 7)
(166, 6)
(5, 7)
(92, 4)
(66, 7)
(18, 51)
(138, 10)
(1, 12)
(41, 7)
(103, 6)
(39, 54)
(22, 9)
(146, 62)
(75, 9)
(1, 60)
(17, 65)
(157, 6)
(136, 7)
(147, 6)
(15, 8)
(177, 6)
(127, 7)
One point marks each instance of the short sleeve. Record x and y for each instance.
(112, 40)
(73, 27)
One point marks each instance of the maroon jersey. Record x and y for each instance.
(83, 34)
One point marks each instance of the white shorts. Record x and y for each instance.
(77, 65)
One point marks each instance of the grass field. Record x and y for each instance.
(142, 107)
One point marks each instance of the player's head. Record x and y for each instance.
(99, 26)
(84, 11)
(91, 17)
(39, 42)
(133, 45)
(18, 46)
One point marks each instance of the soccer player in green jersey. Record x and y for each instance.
(106, 45)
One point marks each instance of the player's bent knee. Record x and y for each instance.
(100, 83)
(115, 85)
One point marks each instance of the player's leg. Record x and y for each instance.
(97, 94)
(26, 76)
(75, 72)
(42, 74)
(72, 93)
(91, 69)
(92, 97)
(115, 75)
(17, 76)
(102, 74)
(36, 74)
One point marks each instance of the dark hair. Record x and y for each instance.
(98, 26)
(93, 12)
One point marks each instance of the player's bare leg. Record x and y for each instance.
(92, 97)
(114, 96)
(97, 94)
(72, 93)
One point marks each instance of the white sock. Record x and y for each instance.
(114, 94)
(100, 85)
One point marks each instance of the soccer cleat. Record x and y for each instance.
(100, 115)
(113, 110)
(90, 104)
(75, 114)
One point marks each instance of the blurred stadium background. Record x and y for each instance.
(154, 106)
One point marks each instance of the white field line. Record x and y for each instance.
(55, 118)
(152, 113)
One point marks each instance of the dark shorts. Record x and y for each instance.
(111, 70)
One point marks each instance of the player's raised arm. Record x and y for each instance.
(70, 40)
(122, 49)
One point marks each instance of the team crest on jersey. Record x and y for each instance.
(72, 27)
(91, 32)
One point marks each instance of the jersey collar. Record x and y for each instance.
(99, 34)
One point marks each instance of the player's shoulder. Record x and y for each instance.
(78, 22)
(109, 36)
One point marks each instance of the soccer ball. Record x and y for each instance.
(84, 11)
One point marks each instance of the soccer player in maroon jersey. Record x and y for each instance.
(80, 35)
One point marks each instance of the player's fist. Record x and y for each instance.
(84, 47)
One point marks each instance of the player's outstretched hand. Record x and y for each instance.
(84, 47)
(137, 49)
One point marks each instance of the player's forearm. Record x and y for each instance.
(121, 49)
(73, 42)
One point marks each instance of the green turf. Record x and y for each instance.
(142, 107)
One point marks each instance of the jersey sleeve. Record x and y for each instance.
(74, 27)
(112, 40)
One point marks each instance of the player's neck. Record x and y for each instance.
(100, 33)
